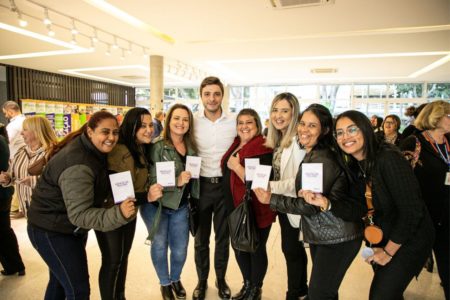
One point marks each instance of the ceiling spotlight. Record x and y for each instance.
(108, 49)
(145, 53)
(95, 37)
(74, 28)
(22, 22)
(92, 47)
(46, 20)
(115, 46)
(50, 31)
(129, 48)
(74, 40)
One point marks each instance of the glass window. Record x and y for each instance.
(405, 90)
(438, 90)
(377, 91)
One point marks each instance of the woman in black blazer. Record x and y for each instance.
(400, 211)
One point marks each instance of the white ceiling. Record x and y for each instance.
(242, 41)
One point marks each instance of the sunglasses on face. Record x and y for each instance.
(351, 131)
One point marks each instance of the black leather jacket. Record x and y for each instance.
(342, 222)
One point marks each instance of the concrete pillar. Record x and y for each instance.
(226, 98)
(156, 83)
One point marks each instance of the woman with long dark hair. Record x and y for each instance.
(68, 201)
(331, 220)
(129, 154)
(399, 210)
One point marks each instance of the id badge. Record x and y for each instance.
(447, 178)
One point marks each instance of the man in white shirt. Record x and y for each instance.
(214, 132)
(11, 110)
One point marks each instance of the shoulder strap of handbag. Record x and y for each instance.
(368, 195)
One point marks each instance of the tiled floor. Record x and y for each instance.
(142, 282)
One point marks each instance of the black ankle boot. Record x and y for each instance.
(166, 292)
(242, 292)
(254, 293)
(178, 290)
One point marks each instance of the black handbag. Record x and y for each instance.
(193, 215)
(244, 233)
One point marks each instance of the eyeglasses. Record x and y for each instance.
(351, 131)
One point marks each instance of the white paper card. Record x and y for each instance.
(447, 178)
(312, 177)
(193, 164)
(250, 166)
(261, 177)
(165, 173)
(122, 186)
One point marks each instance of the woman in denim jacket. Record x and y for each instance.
(167, 220)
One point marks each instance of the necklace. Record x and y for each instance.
(362, 170)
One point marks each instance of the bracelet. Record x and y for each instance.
(326, 208)
(387, 253)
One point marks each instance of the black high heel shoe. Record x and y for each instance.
(19, 273)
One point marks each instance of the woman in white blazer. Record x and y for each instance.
(287, 156)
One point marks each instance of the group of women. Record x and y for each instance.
(73, 195)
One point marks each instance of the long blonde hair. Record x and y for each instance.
(275, 137)
(42, 129)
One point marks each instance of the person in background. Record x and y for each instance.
(248, 144)
(399, 209)
(332, 220)
(376, 122)
(432, 169)
(157, 124)
(11, 110)
(169, 226)
(9, 250)
(391, 133)
(287, 156)
(266, 128)
(39, 139)
(411, 128)
(67, 201)
(409, 113)
(130, 154)
(214, 133)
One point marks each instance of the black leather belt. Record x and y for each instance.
(211, 179)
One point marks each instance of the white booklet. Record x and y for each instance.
(261, 177)
(250, 166)
(193, 164)
(165, 173)
(312, 177)
(122, 186)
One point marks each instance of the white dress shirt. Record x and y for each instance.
(213, 140)
(14, 129)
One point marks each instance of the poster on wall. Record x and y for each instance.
(67, 117)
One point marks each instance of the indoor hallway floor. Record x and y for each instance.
(142, 282)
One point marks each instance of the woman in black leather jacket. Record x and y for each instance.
(331, 221)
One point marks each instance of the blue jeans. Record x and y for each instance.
(173, 232)
(65, 256)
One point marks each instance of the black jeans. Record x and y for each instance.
(211, 207)
(9, 250)
(330, 263)
(253, 266)
(296, 259)
(65, 256)
(115, 246)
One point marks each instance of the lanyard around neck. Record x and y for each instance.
(436, 148)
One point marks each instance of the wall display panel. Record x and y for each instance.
(66, 117)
